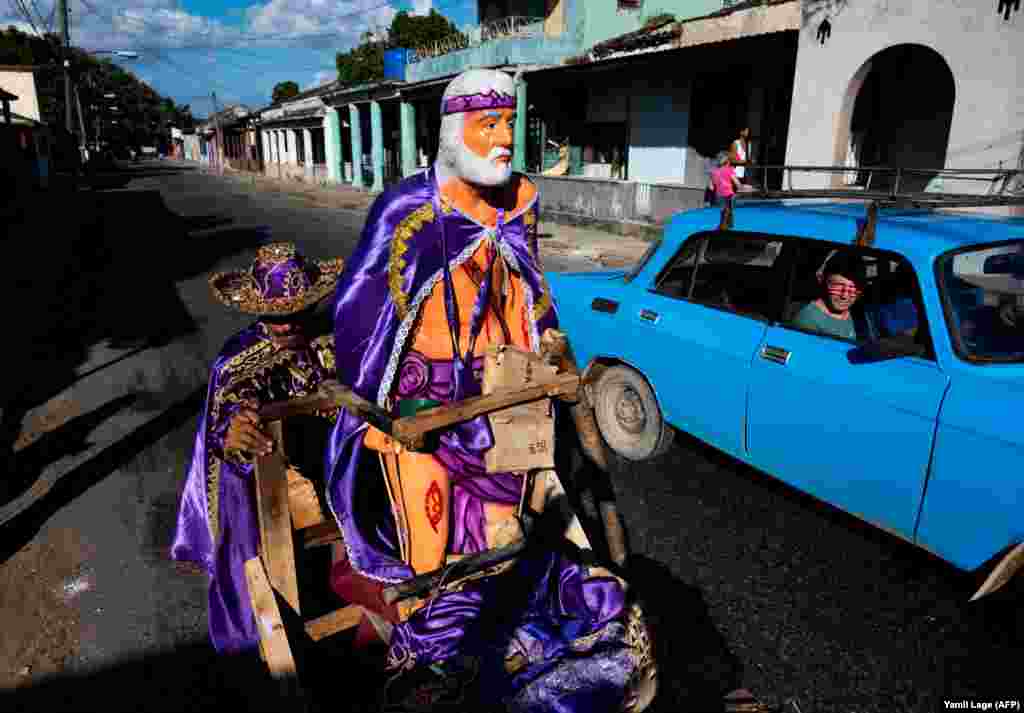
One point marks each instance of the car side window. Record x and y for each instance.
(728, 270)
(855, 295)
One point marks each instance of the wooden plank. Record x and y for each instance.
(273, 640)
(412, 428)
(1002, 573)
(323, 534)
(338, 620)
(302, 501)
(276, 546)
(302, 406)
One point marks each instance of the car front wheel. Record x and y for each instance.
(628, 415)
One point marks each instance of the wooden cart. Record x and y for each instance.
(286, 501)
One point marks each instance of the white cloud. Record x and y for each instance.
(324, 76)
(422, 7)
(341, 22)
(141, 24)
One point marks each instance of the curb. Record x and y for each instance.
(649, 232)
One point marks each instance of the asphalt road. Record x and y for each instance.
(747, 583)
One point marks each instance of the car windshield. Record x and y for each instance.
(983, 289)
(639, 265)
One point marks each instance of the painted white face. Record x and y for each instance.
(495, 169)
(483, 155)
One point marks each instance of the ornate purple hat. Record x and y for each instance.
(279, 283)
(476, 102)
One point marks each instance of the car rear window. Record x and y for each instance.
(982, 290)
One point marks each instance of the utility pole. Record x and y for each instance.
(220, 137)
(65, 34)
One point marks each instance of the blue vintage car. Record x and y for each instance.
(904, 409)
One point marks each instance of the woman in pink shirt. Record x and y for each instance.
(723, 180)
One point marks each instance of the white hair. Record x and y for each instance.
(453, 158)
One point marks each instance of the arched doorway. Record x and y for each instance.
(897, 113)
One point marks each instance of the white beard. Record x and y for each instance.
(479, 170)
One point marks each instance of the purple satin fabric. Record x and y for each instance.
(540, 609)
(479, 101)
(546, 603)
(367, 322)
(461, 452)
(278, 280)
(231, 622)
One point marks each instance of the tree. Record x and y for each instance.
(142, 115)
(365, 63)
(284, 91)
(415, 31)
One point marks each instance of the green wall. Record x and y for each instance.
(603, 20)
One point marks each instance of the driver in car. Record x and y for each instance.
(842, 283)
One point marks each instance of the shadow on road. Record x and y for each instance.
(19, 528)
(69, 439)
(89, 268)
(189, 678)
(695, 666)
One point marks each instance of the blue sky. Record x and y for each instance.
(189, 49)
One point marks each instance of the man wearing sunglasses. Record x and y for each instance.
(842, 282)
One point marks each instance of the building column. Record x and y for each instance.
(307, 149)
(332, 145)
(357, 145)
(519, 154)
(377, 146)
(407, 137)
(266, 149)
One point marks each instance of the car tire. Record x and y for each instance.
(628, 415)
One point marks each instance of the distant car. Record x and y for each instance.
(915, 428)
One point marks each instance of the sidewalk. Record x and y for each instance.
(557, 241)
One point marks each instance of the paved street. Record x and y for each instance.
(749, 584)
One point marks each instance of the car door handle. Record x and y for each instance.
(600, 304)
(647, 315)
(775, 354)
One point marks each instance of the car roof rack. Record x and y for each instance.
(879, 187)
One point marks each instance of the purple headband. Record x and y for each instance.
(477, 102)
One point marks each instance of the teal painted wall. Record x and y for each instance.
(539, 50)
(603, 20)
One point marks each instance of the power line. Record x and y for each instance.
(39, 15)
(20, 9)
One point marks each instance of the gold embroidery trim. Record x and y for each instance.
(530, 217)
(409, 226)
(213, 497)
(239, 291)
(541, 306)
(252, 363)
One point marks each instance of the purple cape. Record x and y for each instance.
(390, 274)
(217, 520)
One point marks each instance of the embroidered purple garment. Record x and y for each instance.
(391, 272)
(475, 102)
(557, 613)
(217, 522)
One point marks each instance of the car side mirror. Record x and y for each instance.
(886, 348)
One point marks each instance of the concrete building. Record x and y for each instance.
(622, 107)
(373, 133)
(191, 145)
(25, 141)
(292, 137)
(911, 85)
